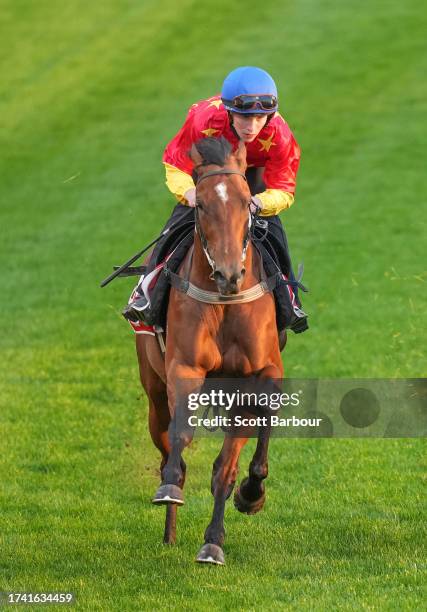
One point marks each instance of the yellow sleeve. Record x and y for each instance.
(178, 182)
(274, 201)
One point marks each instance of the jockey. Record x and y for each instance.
(246, 110)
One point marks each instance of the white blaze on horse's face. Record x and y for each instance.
(221, 190)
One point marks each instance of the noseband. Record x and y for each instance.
(199, 230)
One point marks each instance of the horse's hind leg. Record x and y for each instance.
(249, 497)
(224, 476)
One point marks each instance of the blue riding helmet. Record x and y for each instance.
(249, 90)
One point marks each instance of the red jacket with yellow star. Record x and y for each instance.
(274, 148)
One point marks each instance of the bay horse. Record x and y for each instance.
(204, 339)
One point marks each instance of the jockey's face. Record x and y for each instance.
(248, 126)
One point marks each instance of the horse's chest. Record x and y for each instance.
(237, 344)
(234, 361)
(238, 357)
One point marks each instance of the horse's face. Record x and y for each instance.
(223, 219)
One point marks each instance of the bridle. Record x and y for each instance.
(216, 172)
(199, 229)
(266, 285)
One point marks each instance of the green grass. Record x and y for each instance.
(91, 93)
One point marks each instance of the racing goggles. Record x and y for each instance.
(247, 102)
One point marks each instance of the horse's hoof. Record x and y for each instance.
(211, 553)
(168, 494)
(245, 505)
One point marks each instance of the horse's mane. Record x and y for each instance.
(214, 150)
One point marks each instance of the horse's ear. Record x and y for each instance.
(195, 156)
(240, 155)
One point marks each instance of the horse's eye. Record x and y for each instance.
(199, 204)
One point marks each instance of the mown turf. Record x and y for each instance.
(91, 92)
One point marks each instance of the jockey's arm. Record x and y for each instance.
(179, 183)
(178, 165)
(280, 172)
(273, 201)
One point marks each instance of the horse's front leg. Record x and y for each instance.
(224, 476)
(249, 497)
(181, 382)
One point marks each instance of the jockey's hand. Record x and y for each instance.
(190, 196)
(256, 205)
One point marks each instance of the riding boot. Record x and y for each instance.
(272, 238)
(298, 322)
(137, 308)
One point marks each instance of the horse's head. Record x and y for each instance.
(222, 209)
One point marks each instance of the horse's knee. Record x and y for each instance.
(180, 437)
(181, 440)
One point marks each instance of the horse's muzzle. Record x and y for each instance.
(228, 283)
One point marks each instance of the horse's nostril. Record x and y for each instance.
(219, 276)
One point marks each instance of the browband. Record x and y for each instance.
(223, 171)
